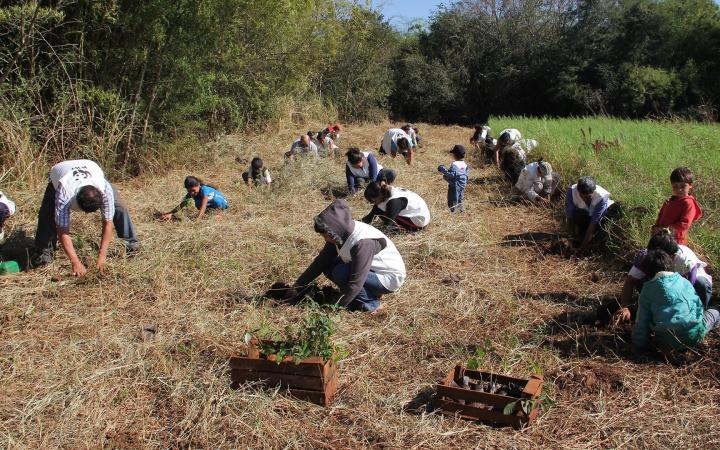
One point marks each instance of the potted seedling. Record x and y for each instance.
(301, 359)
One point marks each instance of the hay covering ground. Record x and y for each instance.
(76, 373)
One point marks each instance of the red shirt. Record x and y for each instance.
(679, 213)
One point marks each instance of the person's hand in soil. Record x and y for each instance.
(622, 316)
(542, 201)
(78, 269)
(100, 264)
(166, 216)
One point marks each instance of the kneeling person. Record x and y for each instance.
(669, 310)
(205, 197)
(538, 182)
(357, 257)
(7, 209)
(396, 207)
(80, 185)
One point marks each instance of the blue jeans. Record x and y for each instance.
(367, 298)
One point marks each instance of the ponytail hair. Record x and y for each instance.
(377, 189)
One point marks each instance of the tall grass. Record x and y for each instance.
(633, 160)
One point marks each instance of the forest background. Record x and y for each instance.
(129, 83)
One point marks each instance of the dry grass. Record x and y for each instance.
(75, 372)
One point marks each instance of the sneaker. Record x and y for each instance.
(43, 259)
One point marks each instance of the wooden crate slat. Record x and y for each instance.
(474, 396)
(470, 412)
(275, 378)
(264, 365)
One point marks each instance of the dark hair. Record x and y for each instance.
(89, 198)
(256, 163)
(504, 138)
(656, 261)
(403, 144)
(377, 189)
(354, 155)
(586, 185)
(191, 181)
(387, 175)
(311, 134)
(682, 175)
(663, 241)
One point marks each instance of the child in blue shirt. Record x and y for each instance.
(205, 197)
(669, 309)
(456, 177)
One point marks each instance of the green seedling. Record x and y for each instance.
(481, 353)
(313, 338)
(526, 405)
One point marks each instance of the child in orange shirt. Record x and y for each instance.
(681, 210)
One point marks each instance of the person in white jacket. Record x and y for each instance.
(538, 182)
(511, 139)
(397, 141)
(7, 209)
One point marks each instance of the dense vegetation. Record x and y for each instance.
(126, 83)
(630, 58)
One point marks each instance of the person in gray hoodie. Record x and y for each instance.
(357, 257)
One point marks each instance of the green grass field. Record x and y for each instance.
(633, 160)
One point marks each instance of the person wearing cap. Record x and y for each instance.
(456, 177)
(587, 206)
(303, 146)
(80, 185)
(511, 140)
(397, 141)
(7, 209)
(360, 259)
(538, 181)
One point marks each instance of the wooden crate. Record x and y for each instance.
(312, 379)
(451, 400)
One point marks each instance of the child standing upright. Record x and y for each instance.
(681, 210)
(456, 177)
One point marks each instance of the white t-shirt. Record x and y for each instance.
(683, 262)
(311, 149)
(391, 137)
(7, 202)
(68, 177)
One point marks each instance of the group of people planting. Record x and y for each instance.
(364, 263)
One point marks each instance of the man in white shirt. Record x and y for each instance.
(301, 147)
(538, 182)
(80, 185)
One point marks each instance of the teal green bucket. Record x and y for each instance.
(9, 267)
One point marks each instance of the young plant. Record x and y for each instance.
(312, 338)
(481, 353)
(526, 405)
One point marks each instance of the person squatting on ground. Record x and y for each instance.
(397, 141)
(301, 147)
(361, 168)
(326, 145)
(398, 208)
(587, 208)
(510, 140)
(670, 313)
(413, 133)
(7, 209)
(80, 185)
(538, 182)
(483, 144)
(205, 196)
(357, 257)
(684, 262)
(257, 174)
(333, 130)
(456, 177)
(681, 209)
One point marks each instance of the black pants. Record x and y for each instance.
(46, 234)
(580, 222)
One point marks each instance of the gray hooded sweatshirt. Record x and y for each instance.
(337, 221)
